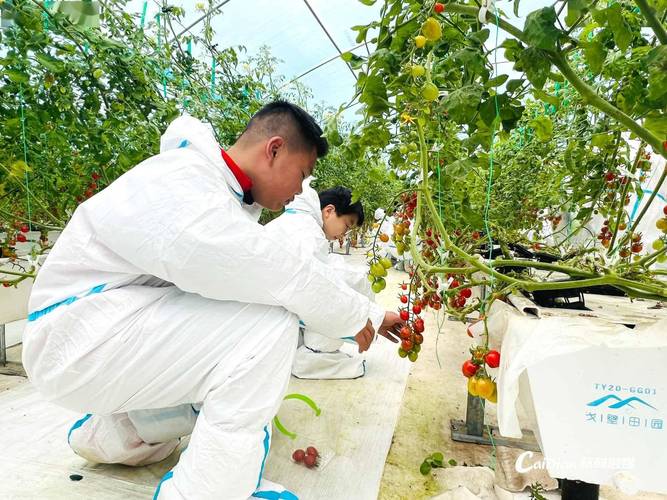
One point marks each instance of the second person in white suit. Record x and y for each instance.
(311, 221)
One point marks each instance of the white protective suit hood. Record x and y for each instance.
(186, 132)
(307, 202)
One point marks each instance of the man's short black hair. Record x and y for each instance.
(287, 120)
(341, 198)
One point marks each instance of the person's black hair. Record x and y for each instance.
(341, 198)
(288, 120)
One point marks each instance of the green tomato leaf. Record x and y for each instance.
(497, 81)
(374, 95)
(540, 30)
(619, 27)
(481, 36)
(53, 64)
(543, 96)
(16, 76)
(595, 55)
(19, 168)
(513, 85)
(599, 16)
(363, 30)
(473, 216)
(656, 61)
(462, 103)
(574, 8)
(544, 127)
(471, 59)
(513, 49)
(656, 123)
(536, 65)
(331, 131)
(602, 139)
(354, 60)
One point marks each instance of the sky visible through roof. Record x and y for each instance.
(293, 34)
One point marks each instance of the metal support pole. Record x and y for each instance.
(3, 346)
(579, 490)
(473, 430)
(475, 415)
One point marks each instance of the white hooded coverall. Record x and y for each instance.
(164, 297)
(320, 356)
(387, 249)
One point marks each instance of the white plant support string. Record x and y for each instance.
(488, 6)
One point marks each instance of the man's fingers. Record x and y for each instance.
(391, 335)
(365, 337)
(369, 334)
(396, 329)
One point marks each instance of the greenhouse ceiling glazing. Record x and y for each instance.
(305, 36)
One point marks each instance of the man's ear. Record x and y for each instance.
(272, 146)
(329, 209)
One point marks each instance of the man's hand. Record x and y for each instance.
(365, 336)
(391, 325)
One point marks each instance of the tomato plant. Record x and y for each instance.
(506, 176)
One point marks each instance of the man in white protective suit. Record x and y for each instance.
(311, 221)
(165, 309)
(387, 249)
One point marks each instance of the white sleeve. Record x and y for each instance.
(355, 278)
(181, 224)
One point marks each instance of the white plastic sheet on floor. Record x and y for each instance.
(354, 430)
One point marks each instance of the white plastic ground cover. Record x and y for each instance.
(356, 427)
(14, 332)
(14, 299)
(596, 388)
(36, 461)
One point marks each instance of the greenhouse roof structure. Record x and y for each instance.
(306, 36)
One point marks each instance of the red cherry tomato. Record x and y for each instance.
(492, 359)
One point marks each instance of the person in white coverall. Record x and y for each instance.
(164, 297)
(311, 221)
(387, 249)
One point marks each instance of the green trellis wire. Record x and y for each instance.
(159, 48)
(437, 166)
(213, 64)
(491, 152)
(143, 14)
(488, 203)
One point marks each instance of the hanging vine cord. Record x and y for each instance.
(489, 185)
(25, 155)
(488, 203)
